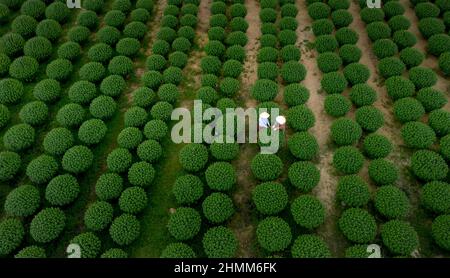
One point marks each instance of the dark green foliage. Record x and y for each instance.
(266, 167)
(436, 197)
(149, 150)
(426, 9)
(300, 118)
(288, 23)
(42, 169)
(184, 223)
(295, 94)
(218, 20)
(109, 186)
(268, 40)
(89, 243)
(268, 70)
(82, 92)
(268, 15)
(19, 137)
(267, 54)
(377, 146)
(92, 72)
(326, 43)
(47, 225)
(24, 68)
(293, 72)
(120, 65)
(24, 25)
(391, 202)
(11, 235)
(220, 176)
(5, 61)
(129, 138)
(337, 105)
(428, 165)
(408, 109)
(69, 51)
(399, 22)
(103, 107)
(135, 116)
(77, 159)
(92, 131)
(169, 21)
(119, 160)
(356, 73)
(229, 86)
(322, 27)
(9, 165)
(438, 44)
(290, 53)
(264, 90)
(220, 242)
(383, 172)
(308, 211)
(341, 18)
(178, 59)
(393, 8)
(399, 237)
(93, 5)
(357, 251)
(34, 113)
(4, 115)
(333, 82)
(232, 68)
(236, 38)
(378, 30)
(358, 225)
(187, 189)
(218, 207)
(371, 15)
(98, 215)
(88, 19)
(59, 69)
(273, 234)
(11, 44)
(345, 131)
(319, 10)
(224, 151)
(445, 146)
(310, 246)
(439, 230)
(444, 63)
(58, 140)
(12, 91)
(70, 115)
(369, 118)
(161, 111)
(431, 26)
(47, 90)
(303, 146)
(328, 62)
(346, 35)
(113, 85)
(193, 157)
(57, 11)
(133, 200)
(304, 175)
(22, 201)
(350, 53)
(391, 66)
(108, 34)
(152, 79)
(178, 250)
(33, 8)
(412, 57)
(422, 77)
(128, 46)
(239, 24)
(49, 29)
(62, 190)
(399, 87)
(348, 160)
(238, 10)
(383, 48)
(124, 229)
(31, 252)
(211, 64)
(270, 198)
(404, 39)
(439, 120)
(353, 191)
(79, 34)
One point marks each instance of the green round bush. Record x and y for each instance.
(103, 107)
(334, 82)
(266, 167)
(129, 138)
(377, 146)
(428, 165)
(12, 91)
(393, 8)
(88, 19)
(47, 90)
(140, 14)
(218, 207)
(399, 22)
(383, 172)
(4, 115)
(288, 23)
(177, 250)
(445, 146)
(232, 68)
(12, 44)
(57, 11)
(345, 131)
(31, 252)
(267, 54)
(353, 191)
(369, 15)
(236, 38)
(369, 118)
(77, 159)
(133, 200)
(399, 87)
(220, 176)
(383, 48)
(426, 9)
(264, 90)
(114, 253)
(135, 117)
(5, 61)
(439, 230)
(418, 135)
(431, 26)
(115, 18)
(268, 15)
(325, 43)
(92, 72)
(310, 246)
(78, 34)
(308, 211)
(224, 151)
(350, 53)
(295, 94)
(439, 120)
(162, 110)
(141, 174)
(358, 225)
(143, 97)
(120, 65)
(391, 66)
(300, 118)
(108, 34)
(359, 250)
(319, 10)
(42, 169)
(304, 175)
(346, 35)
(348, 160)
(288, 9)
(11, 235)
(69, 50)
(49, 29)
(329, 62)
(436, 196)
(337, 105)
(136, 30)
(59, 69)
(34, 113)
(293, 72)
(89, 244)
(356, 73)
(119, 160)
(238, 24)
(155, 129)
(208, 95)
(82, 92)
(220, 242)
(404, 39)
(149, 150)
(187, 189)
(303, 146)
(411, 57)
(128, 47)
(19, 137)
(270, 197)
(193, 157)
(98, 216)
(184, 223)
(47, 225)
(62, 190)
(444, 63)
(290, 53)
(109, 186)
(24, 68)
(229, 86)
(378, 30)
(22, 201)
(124, 229)
(273, 234)
(24, 25)
(408, 109)
(92, 131)
(322, 27)
(70, 115)
(399, 237)
(33, 8)
(341, 18)
(422, 77)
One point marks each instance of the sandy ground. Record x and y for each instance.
(155, 25)
(241, 222)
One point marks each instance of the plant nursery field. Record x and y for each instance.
(88, 165)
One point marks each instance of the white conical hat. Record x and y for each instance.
(264, 115)
(280, 120)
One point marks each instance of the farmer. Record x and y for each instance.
(280, 123)
(263, 121)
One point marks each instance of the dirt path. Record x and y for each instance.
(326, 189)
(242, 222)
(155, 25)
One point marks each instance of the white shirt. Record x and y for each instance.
(263, 122)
